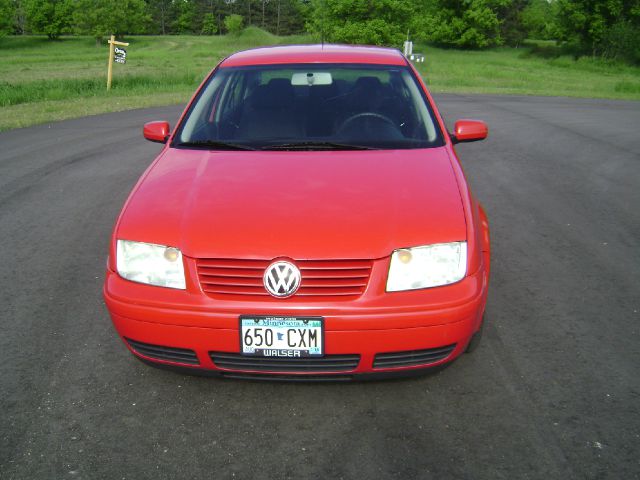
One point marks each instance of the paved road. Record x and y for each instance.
(553, 391)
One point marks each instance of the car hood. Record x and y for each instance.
(302, 205)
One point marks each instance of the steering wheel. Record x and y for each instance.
(361, 115)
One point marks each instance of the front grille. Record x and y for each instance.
(412, 358)
(319, 278)
(328, 363)
(171, 354)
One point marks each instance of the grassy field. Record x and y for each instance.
(42, 81)
(523, 71)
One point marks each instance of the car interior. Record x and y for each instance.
(344, 106)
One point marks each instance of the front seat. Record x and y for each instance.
(271, 113)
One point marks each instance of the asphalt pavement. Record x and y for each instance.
(553, 392)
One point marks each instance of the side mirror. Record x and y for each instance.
(469, 131)
(156, 131)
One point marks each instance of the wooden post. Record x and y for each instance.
(112, 46)
(110, 67)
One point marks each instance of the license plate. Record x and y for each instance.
(293, 337)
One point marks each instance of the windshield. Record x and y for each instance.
(310, 107)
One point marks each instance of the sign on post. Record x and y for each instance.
(116, 54)
(120, 55)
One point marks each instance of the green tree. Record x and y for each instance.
(209, 24)
(186, 14)
(461, 23)
(281, 17)
(588, 24)
(20, 25)
(51, 17)
(233, 24)
(163, 14)
(512, 31)
(375, 22)
(288, 17)
(7, 16)
(622, 41)
(539, 19)
(105, 17)
(264, 5)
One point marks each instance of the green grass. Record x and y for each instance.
(42, 81)
(521, 71)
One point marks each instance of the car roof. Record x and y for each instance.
(315, 54)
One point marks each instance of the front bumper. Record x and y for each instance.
(417, 322)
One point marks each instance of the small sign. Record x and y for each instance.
(120, 55)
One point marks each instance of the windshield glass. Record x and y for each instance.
(311, 107)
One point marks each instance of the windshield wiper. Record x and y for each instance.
(316, 146)
(214, 145)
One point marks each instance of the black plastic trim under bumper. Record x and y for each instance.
(373, 376)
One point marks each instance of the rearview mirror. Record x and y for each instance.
(156, 131)
(469, 131)
(311, 78)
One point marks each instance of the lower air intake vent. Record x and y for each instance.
(287, 377)
(328, 363)
(412, 358)
(170, 354)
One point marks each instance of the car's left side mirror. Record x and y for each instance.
(469, 131)
(156, 131)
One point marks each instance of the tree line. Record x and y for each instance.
(155, 17)
(607, 28)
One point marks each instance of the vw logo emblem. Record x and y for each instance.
(281, 279)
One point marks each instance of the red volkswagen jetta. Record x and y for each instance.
(307, 219)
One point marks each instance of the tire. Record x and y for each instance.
(475, 339)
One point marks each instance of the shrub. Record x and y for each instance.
(233, 24)
(461, 23)
(209, 26)
(622, 42)
(374, 22)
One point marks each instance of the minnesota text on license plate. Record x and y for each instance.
(281, 336)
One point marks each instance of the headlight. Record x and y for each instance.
(151, 264)
(428, 266)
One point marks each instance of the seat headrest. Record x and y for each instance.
(278, 93)
(368, 84)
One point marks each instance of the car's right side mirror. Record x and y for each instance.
(469, 131)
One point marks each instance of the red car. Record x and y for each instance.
(307, 219)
